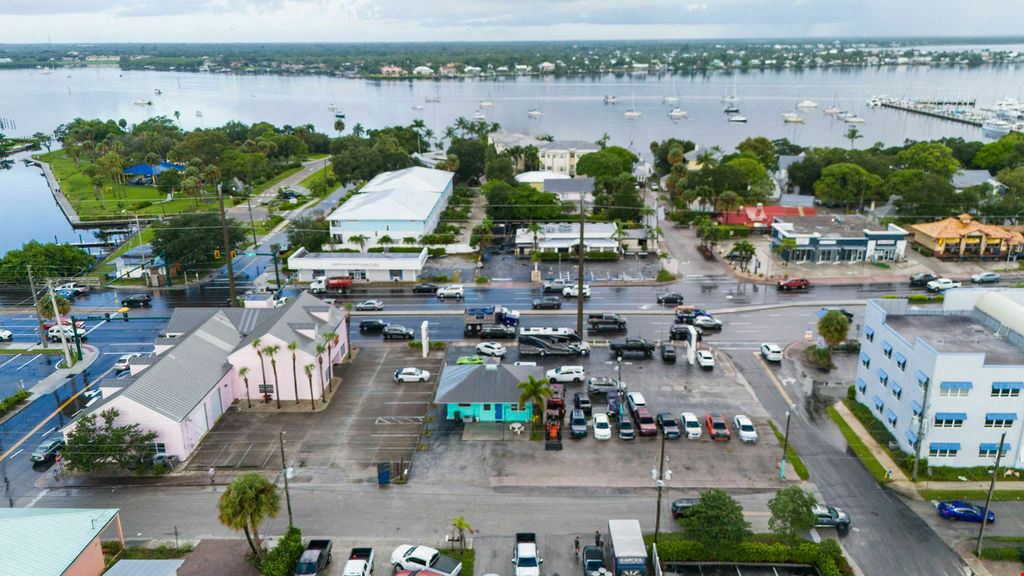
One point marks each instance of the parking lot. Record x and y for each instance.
(370, 420)
(514, 461)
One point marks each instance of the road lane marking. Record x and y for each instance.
(30, 361)
(774, 379)
(90, 331)
(50, 431)
(38, 498)
(20, 450)
(22, 440)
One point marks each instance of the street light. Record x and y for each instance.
(785, 446)
(661, 478)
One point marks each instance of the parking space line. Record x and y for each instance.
(20, 450)
(13, 358)
(30, 361)
(37, 498)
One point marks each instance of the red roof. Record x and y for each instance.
(763, 216)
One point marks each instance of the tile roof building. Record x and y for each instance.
(762, 217)
(963, 237)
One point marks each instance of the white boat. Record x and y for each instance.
(677, 114)
(157, 91)
(143, 102)
(432, 99)
(853, 119)
(534, 113)
(792, 118)
(417, 107)
(832, 110)
(738, 119)
(843, 114)
(632, 114)
(807, 104)
(734, 99)
(731, 109)
(670, 100)
(46, 71)
(874, 102)
(996, 128)
(332, 106)
(486, 104)
(611, 99)
(479, 116)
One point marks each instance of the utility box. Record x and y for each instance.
(383, 474)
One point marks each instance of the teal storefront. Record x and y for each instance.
(484, 392)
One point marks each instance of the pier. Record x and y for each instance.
(969, 103)
(941, 114)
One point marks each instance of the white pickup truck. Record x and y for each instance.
(359, 563)
(526, 558)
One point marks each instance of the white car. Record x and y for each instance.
(705, 359)
(452, 291)
(771, 352)
(411, 374)
(691, 425)
(6, 335)
(54, 333)
(74, 287)
(602, 429)
(123, 362)
(573, 291)
(491, 349)
(707, 322)
(942, 284)
(745, 428)
(564, 374)
(370, 305)
(635, 400)
(408, 557)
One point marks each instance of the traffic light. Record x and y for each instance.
(216, 254)
(233, 253)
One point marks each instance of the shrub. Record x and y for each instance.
(923, 250)
(281, 560)
(554, 256)
(141, 205)
(438, 239)
(665, 276)
(819, 357)
(441, 278)
(733, 231)
(397, 249)
(481, 279)
(9, 403)
(434, 344)
(436, 252)
(1005, 553)
(851, 393)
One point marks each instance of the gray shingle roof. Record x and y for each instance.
(967, 178)
(185, 374)
(145, 568)
(281, 324)
(47, 540)
(478, 383)
(579, 185)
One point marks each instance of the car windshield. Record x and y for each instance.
(646, 420)
(718, 425)
(692, 424)
(527, 562)
(600, 425)
(747, 428)
(305, 568)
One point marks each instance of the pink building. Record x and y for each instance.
(182, 391)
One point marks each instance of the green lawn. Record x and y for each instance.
(866, 457)
(261, 187)
(792, 458)
(998, 495)
(314, 177)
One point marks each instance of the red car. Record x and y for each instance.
(645, 422)
(794, 284)
(63, 320)
(717, 426)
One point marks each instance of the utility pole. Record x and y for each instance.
(227, 249)
(581, 251)
(35, 303)
(284, 471)
(988, 498)
(785, 446)
(920, 432)
(661, 478)
(57, 322)
(252, 224)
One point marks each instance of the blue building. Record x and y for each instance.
(947, 382)
(485, 392)
(837, 238)
(401, 204)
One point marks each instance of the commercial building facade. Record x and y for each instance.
(835, 239)
(559, 156)
(947, 382)
(485, 392)
(964, 238)
(564, 238)
(362, 267)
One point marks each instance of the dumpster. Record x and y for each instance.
(384, 474)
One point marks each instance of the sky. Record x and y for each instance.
(84, 21)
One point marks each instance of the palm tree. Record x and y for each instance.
(339, 125)
(358, 130)
(833, 327)
(708, 158)
(745, 251)
(308, 369)
(320, 349)
(534, 392)
(359, 239)
(385, 240)
(272, 351)
(461, 526)
(853, 134)
(263, 367)
(244, 373)
(245, 504)
(329, 338)
(534, 228)
(409, 240)
(727, 202)
(293, 346)
(177, 116)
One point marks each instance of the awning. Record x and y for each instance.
(956, 385)
(896, 388)
(956, 416)
(883, 376)
(912, 437)
(993, 446)
(890, 415)
(922, 378)
(1000, 416)
(1007, 385)
(861, 384)
(953, 446)
(916, 407)
(864, 357)
(869, 331)
(886, 347)
(900, 358)
(878, 402)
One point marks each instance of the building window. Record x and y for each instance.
(879, 405)
(160, 447)
(887, 349)
(949, 420)
(862, 385)
(891, 417)
(901, 361)
(922, 379)
(266, 388)
(883, 377)
(897, 391)
(865, 360)
(869, 333)
(999, 420)
(942, 453)
(1006, 389)
(395, 275)
(487, 407)
(991, 450)
(358, 274)
(955, 389)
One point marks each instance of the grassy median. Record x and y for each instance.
(859, 448)
(792, 458)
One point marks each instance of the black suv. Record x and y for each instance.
(581, 401)
(682, 506)
(681, 332)
(137, 300)
(670, 298)
(425, 288)
(372, 326)
(577, 424)
(398, 332)
(548, 303)
(921, 279)
(668, 352)
(497, 332)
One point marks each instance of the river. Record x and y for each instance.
(572, 108)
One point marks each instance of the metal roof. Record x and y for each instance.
(282, 324)
(245, 320)
(47, 540)
(478, 383)
(562, 185)
(185, 374)
(145, 568)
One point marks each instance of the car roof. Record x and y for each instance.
(742, 418)
(686, 415)
(600, 416)
(636, 396)
(577, 413)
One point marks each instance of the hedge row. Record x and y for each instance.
(552, 256)
(9, 403)
(1003, 553)
(438, 239)
(827, 556)
(285, 555)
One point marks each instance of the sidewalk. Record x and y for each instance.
(899, 482)
(54, 381)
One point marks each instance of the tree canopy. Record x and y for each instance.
(716, 521)
(190, 239)
(847, 185)
(792, 513)
(97, 442)
(519, 203)
(606, 163)
(310, 233)
(52, 260)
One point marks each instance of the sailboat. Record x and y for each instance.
(486, 104)
(792, 118)
(479, 116)
(736, 118)
(417, 107)
(731, 109)
(677, 114)
(632, 113)
(433, 99)
(853, 119)
(535, 112)
(734, 99)
(157, 91)
(611, 99)
(143, 102)
(807, 104)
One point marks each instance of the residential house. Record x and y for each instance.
(963, 237)
(559, 156)
(139, 262)
(964, 179)
(946, 382)
(56, 541)
(423, 71)
(536, 178)
(572, 191)
(449, 69)
(546, 67)
(564, 238)
(392, 71)
(835, 239)
(182, 391)
(760, 217)
(401, 204)
(366, 267)
(485, 392)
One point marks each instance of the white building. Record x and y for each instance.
(546, 67)
(564, 237)
(368, 267)
(536, 178)
(948, 381)
(423, 71)
(401, 204)
(559, 156)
